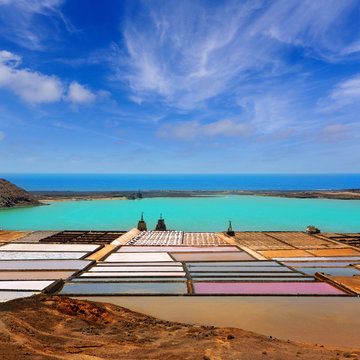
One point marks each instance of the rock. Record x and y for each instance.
(14, 196)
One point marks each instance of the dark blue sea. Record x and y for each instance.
(113, 182)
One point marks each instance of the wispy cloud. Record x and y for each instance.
(187, 54)
(344, 93)
(337, 132)
(117, 139)
(26, 22)
(2, 135)
(190, 130)
(316, 26)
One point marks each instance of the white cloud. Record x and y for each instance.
(337, 132)
(2, 135)
(32, 87)
(228, 128)
(35, 87)
(190, 130)
(79, 94)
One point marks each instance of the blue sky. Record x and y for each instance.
(180, 86)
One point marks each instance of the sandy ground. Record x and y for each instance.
(46, 196)
(50, 327)
(6, 236)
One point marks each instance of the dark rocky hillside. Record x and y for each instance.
(13, 196)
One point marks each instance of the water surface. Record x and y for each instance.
(190, 214)
(320, 320)
(135, 182)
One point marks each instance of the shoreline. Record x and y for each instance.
(48, 196)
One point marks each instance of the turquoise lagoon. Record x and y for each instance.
(190, 214)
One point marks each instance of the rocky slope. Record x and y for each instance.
(52, 327)
(14, 196)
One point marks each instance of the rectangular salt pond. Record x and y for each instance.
(284, 253)
(30, 255)
(134, 248)
(124, 288)
(240, 268)
(335, 252)
(35, 237)
(139, 257)
(134, 274)
(35, 275)
(234, 263)
(273, 288)
(24, 285)
(135, 268)
(162, 263)
(251, 279)
(211, 256)
(255, 274)
(303, 318)
(11, 295)
(335, 271)
(333, 258)
(132, 279)
(44, 264)
(49, 247)
(320, 264)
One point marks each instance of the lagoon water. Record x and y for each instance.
(190, 214)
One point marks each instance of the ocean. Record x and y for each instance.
(113, 182)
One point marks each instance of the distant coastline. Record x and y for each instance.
(346, 194)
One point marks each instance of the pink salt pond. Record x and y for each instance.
(273, 288)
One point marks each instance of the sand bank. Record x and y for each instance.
(353, 194)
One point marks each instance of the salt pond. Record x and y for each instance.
(321, 320)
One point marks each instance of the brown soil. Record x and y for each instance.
(50, 327)
(284, 253)
(352, 282)
(6, 236)
(335, 252)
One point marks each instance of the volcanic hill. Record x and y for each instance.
(14, 196)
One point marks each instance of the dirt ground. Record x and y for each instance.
(7, 236)
(51, 327)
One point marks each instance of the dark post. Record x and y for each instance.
(230, 231)
(161, 224)
(142, 224)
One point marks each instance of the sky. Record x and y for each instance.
(169, 86)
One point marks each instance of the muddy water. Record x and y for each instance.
(321, 320)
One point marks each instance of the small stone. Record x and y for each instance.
(230, 337)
